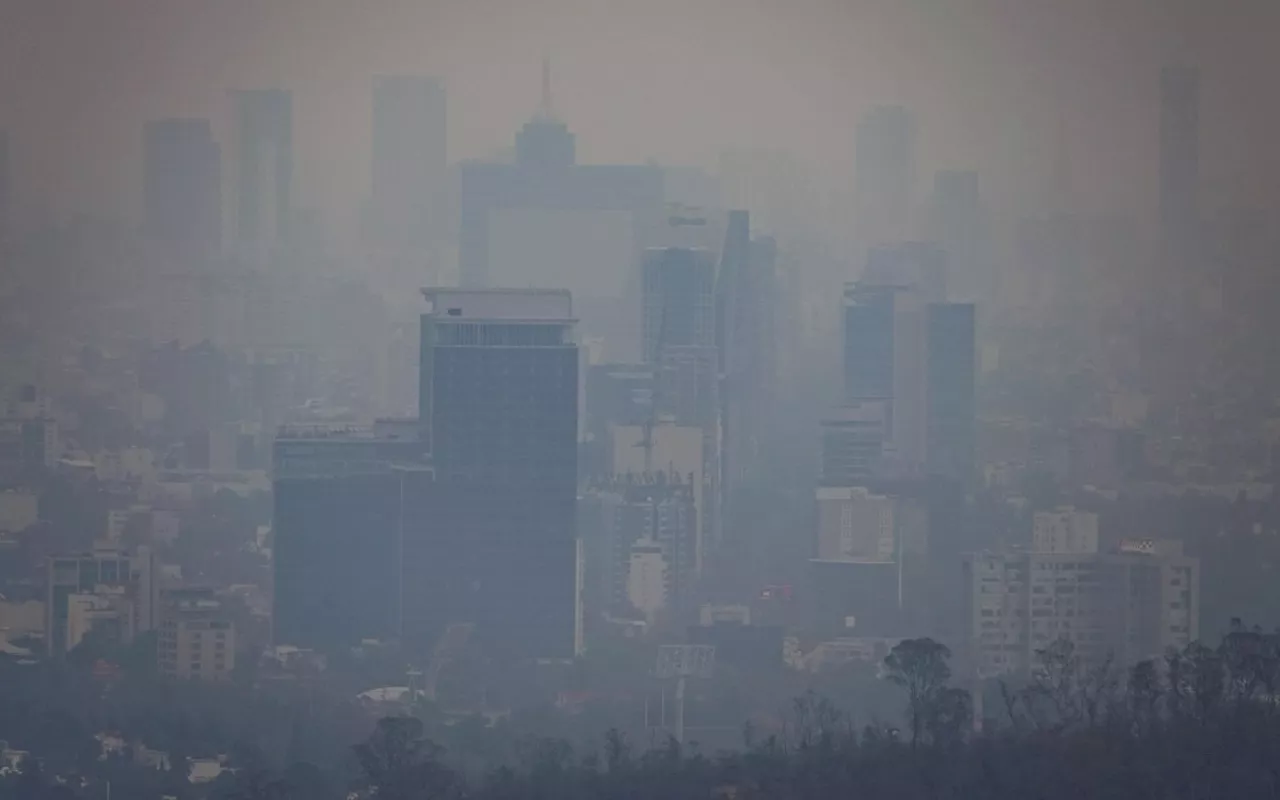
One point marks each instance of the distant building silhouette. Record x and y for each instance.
(182, 186)
(952, 412)
(264, 170)
(547, 221)
(884, 180)
(409, 162)
(958, 224)
(1179, 153)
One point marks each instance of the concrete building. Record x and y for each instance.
(197, 641)
(182, 187)
(1065, 530)
(264, 166)
(124, 583)
(1127, 605)
(658, 510)
(19, 510)
(108, 613)
(853, 442)
(672, 449)
(855, 524)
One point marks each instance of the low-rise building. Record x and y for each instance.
(197, 641)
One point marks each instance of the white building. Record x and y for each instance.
(1065, 530)
(856, 524)
(646, 580)
(19, 510)
(1129, 605)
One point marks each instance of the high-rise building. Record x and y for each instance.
(1179, 152)
(182, 186)
(499, 404)
(332, 590)
(746, 334)
(957, 221)
(885, 355)
(658, 511)
(679, 300)
(409, 162)
(1134, 603)
(951, 380)
(884, 180)
(547, 221)
(1064, 530)
(264, 170)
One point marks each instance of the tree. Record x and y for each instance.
(920, 666)
(399, 763)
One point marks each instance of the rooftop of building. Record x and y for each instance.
(507, 305)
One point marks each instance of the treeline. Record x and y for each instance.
(1200, 723)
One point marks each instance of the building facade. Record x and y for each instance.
(124, 583)
(1128, 605)
(182, 186)
(498, 404)
(264, 169)
(197, 641)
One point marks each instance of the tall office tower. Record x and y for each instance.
(1179, 154)
(678, 326)
(409, 162)
(548, 221)
(885, 174)
(264, 173)
(885, 355)
(499, 402)
(952, 415)
(679, 331)
(746, 299)
(957, 222)
(182, 186)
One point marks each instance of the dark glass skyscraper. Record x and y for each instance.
(264, 173)
(339, 545)
(951, 401)
(499, 403)
(182, 185)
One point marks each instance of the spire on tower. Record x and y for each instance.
(547, 110)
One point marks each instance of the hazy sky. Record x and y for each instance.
(997, 84)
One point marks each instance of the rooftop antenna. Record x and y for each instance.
(547, 110)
